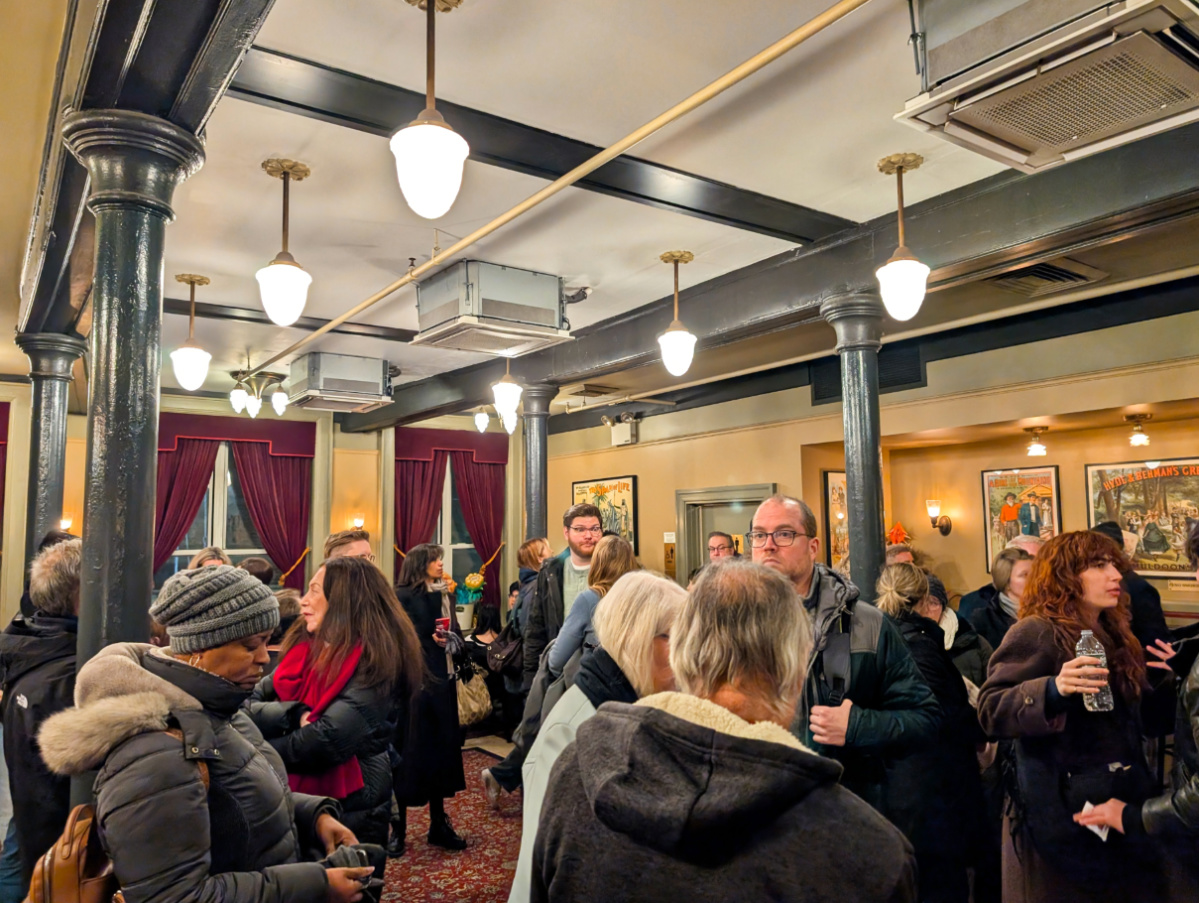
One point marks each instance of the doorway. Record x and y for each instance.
(727, 509)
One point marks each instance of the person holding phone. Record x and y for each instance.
(431, 746)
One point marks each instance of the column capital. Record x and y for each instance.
(857, 317)
(537, 398)
(52, 355)
(134, 159)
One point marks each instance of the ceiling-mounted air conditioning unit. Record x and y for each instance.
(484, 307)
(338, 382)
(1043, 82)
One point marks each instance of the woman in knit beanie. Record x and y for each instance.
(192, 801)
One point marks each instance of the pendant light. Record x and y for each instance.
(279, 400)
(283, 283)
(507, 393)
(482, 421)
(1036, 448)
(253, 406)
(1139, 437)
(238, 397)
(678, 345)
(189, 359)
(903, 279)
(509, 422)
(429, 153)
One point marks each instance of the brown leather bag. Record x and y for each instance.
(76, 869)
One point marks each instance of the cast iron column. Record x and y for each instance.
(857, 317)
(135, 162)
(52, 357)
(537, 414)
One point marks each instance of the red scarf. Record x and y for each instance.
(297, 681)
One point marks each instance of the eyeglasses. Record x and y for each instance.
(719, 548)
(583, 531)
(782, 538)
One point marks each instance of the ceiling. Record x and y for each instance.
(808, 130)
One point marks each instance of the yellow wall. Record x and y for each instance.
(356, 491)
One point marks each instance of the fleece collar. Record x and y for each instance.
(707, 714)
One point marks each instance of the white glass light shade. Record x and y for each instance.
(65, 523)
(284, 290)
(1138, 437)
(190, 362)
(902, 281)
(678, 348)
(482, 421)
(359, 521)
(238, 398)
(253, 405)
(509, 422)
(507, 394)
(933, 506)
(1036, 449)
(429, 159)
(1150, 464)
(279, 401)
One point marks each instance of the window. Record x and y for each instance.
(223, 520)
(460, 555)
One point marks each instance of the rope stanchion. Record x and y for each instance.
(296, 565)
(487, 563)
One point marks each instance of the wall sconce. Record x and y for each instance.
(1036, 448)
(358, 521)
(65, 523)
(939, 521)
(1139, 438)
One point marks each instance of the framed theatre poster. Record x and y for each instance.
(1155, 504)
(616, 498)
(1025, 501)
(836, 518)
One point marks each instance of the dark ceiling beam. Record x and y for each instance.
(343, 98)
(999, 223)
(168, 58)
(206, 311)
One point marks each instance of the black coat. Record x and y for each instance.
(359, 722)
(542, 619)
(37, 670)
(970, 653)
(935, 793)
(430, 740)
(170, 840)
(991, 621)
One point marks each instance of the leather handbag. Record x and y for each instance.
(474, 701)
(505, 654)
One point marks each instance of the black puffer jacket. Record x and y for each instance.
(37, 668)
(359, 722)
(169, 840)
(1176, 812)
(544, 616)
(970, 652)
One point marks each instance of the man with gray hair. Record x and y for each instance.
(37, 672)
(865, 702)
(704, 793)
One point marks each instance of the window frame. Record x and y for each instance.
(218, 510)
(445, 524)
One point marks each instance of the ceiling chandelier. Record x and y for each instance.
(903, 279)
(248, 393)
(482, 421)
(189, 359)
(678, 345)
(1036, 448)
(507, 392)
(429, 153)
(283, 283)
(1139, 437)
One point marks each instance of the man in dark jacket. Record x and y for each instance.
(559, 581)
(1145, 602)
(882, 707)
(37, 670)
(704, 794)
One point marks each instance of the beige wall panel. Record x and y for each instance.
(356, 492)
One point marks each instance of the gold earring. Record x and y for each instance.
(194, 661)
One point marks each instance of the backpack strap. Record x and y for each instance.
(200, 763)
(836, 662)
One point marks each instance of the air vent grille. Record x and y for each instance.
(1124, 86)
(1047, 278)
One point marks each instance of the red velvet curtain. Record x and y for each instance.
(183, 477)
(418, 501)
(278, 489)
(481, 497)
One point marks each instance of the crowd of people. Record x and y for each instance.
(766, 733)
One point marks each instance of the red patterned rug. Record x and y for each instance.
(483, 872)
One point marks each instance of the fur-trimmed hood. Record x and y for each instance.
(116, 699)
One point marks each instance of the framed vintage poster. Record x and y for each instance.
(616, 498)
(1155, 506)
(1025, 500)
(836, 518)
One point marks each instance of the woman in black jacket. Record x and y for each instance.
(430, 748)
(1009, 574)
(349, 665)
(934, 793)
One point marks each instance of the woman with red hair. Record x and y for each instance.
(1066, 755)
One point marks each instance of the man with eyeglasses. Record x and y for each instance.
(349, 544)
(864, 701)
(720, 546)
(559, 582)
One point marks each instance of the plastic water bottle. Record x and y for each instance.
(1092, 648)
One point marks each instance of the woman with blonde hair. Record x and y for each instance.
(531, 554)
(633, 621)
(612, 559)
(209, 557)
(935, 793)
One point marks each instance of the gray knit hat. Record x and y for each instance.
(212, 606)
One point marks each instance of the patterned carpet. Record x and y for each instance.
(483, 872)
